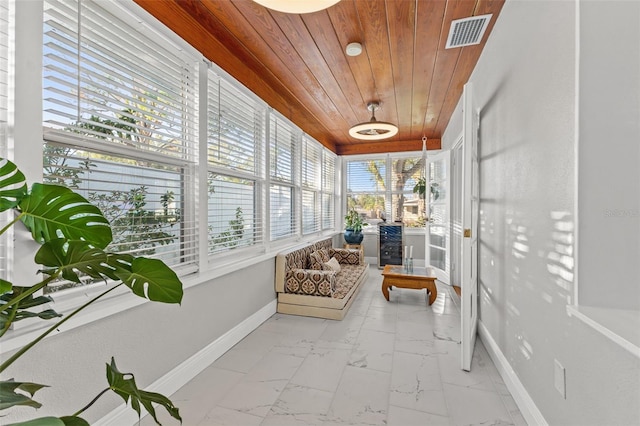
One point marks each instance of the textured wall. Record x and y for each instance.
(525, 86)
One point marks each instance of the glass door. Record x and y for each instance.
(438, 228)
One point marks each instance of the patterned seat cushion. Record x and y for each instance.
(319, 258)
(311, 282)
(347, 256)
(346, 279)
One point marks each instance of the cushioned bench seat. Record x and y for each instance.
(304, 289)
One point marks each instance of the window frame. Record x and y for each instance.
(387, 192)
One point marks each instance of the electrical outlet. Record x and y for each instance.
(559, 378)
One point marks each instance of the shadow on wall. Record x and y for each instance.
(560, 257)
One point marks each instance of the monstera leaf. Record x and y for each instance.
(5, 286)
(13, 185)
(17, 311)
(51, 211)
(124, 384)
(152, 279)
(9, 397)
(75, 255)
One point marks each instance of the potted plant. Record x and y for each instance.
(72, 235)
(353, 227)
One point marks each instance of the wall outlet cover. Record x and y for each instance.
(559, 378)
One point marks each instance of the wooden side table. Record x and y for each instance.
(418, 279)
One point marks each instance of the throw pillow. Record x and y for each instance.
(332, 265)
(318, 258)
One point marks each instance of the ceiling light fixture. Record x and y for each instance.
(297, 6)
(373, 129)
(354, 49)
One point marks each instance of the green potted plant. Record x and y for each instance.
(73, 235)
(353, 224)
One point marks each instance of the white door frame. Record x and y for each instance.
(455, 216)
(441, 274)
(470, 210)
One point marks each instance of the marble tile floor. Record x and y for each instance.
(387, 363)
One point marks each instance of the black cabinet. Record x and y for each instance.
(390, 244)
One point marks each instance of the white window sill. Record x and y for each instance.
(621, 326)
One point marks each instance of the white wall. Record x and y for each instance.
(609, 155)
(149, 341)
(525, 84)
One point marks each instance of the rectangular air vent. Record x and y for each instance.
(467, 31)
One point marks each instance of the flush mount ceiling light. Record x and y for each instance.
(297, 6)
(353, 49)
(373, 129)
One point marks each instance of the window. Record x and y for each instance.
(283, 156)
(121, 130)
(382, 189)
(136, 122)
(311, 184)
(5, 238)
(234, 150)
(328, 189)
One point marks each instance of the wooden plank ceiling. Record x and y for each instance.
(298, 65)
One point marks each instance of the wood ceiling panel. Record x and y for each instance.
(298, 65)
(401, 18)
(375, 34)
(266, 40)
(344, 18)
(328, 43)
(445, 66)
(429, 17)
(468, 58)
(313, 60)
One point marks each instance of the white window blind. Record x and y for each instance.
(121, 83)
(311, 184)
(328, 189)
(234, 218)
(283, 140)
(236, 127)
(143, 200)
(5, 238)
(4, 74)
(282, 210)
(120, 116)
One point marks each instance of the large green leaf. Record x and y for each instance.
(124, 384)
(8, 317)
(5, 286)
(10, 398)
(51, 211)
(13, 185)
(74, 421)
(70, 256)
(152, 279)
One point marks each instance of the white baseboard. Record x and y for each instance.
(190, 368)
(527, 407)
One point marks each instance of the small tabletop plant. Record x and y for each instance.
(354, 221)
(73, 235)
